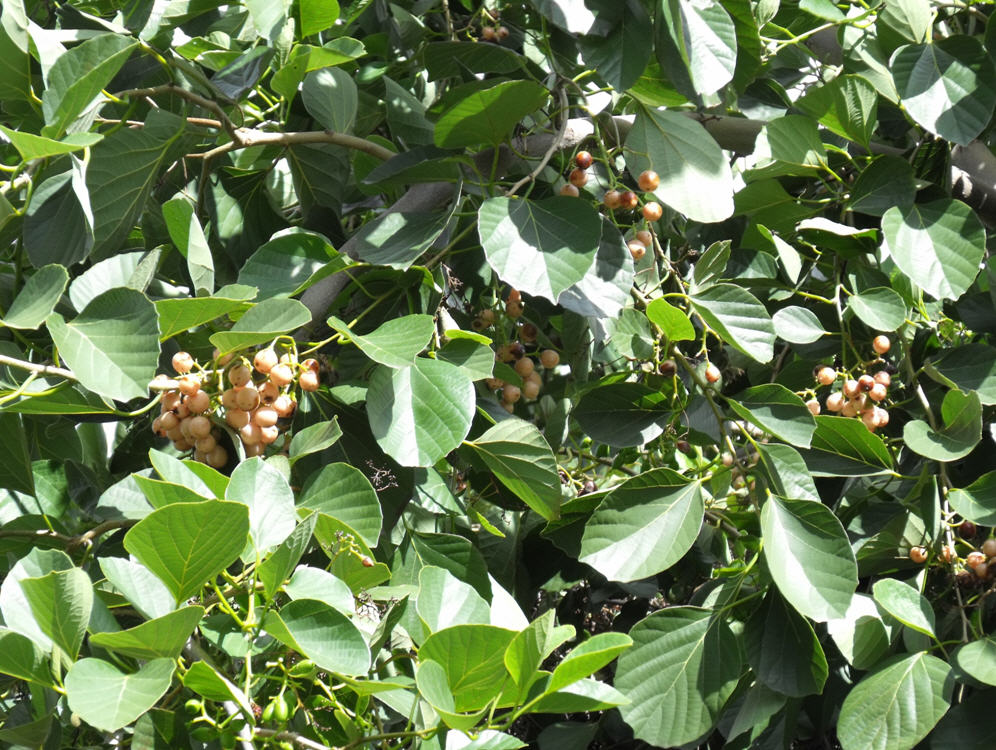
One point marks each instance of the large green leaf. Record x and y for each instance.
(619, 43)
(77, 77)
(314, 438)
(947, 86)
(398, 238)
(939, 245)
(682, 668)
(61, 602)
(809, 557)
(977, 659)
(702, 37)
(132, 270)
(643, 526)
(539, 247)
(695, 176)
(472, 656)
(262, 323)
(182, 314)
(486, 116)
(344, 492)
(395, 342)
(798, 325)
(739, 318)
(21, 659)
(289, 261)
(623, 414)
(861, 635)
(970, 368)
(58, 224)
(605, 288)
(776, 409)
(897, 705)
(787, 472)
(977, 501)
(434, 686)
(783, 650)
(672, 321)
(256, 484)
(880, 308)
(315, 583)
(112, 345)
(457, 555)
(418, 414)
(187, 544)
(35, 302)
(519, 456)
(587, 658)
(15, 470)
(331, 96)
(843, 446)
(109, 699)
(444, 601)
(906, 604)
(788, 145)
(15, 60)
(207, 682)
(275, 568)
(533, 645)
(322, 634)
(962, 431)
(163, 637)
(188, 236)
(138, 585)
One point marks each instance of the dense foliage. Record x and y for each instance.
(430, 374)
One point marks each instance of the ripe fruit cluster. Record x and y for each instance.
(981, 562)
(525, 367)
(494, 33)
(257, 398)
(857, 397)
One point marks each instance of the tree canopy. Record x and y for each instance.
(460, 376)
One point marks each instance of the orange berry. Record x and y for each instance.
(183, 362)
(239, 375)
(218, 457)
(884, 378)
(308, 381)
(514, 308)
(648, 181)
(200, 427)
(974, 558)
(637, 250)
(578, 177)
(247, 398)
(510, 394)
(989, 548)
(583, 159)
(712, 373)
(284, 405)
(814, 406)
(170, 401)
(189, 385)
(918, 554)
(549, 358)
(269, 434)
(199, 403)
(878, 392)
(237, 418)
(157, 427)
(182, 445)
(570, 191)
(530, 389)
(205, 444)
(264, 360)
(267, 392)
(851, 388)
(629, 200)
(612, 199)
(228, 399)
(281, 375)
(645, 238)
(250, 433)
(652, 211)
(489, 33)
(835, 401)
(826, 375)
(881, 344)
(221, 360)
(524, 367)
(257, 449)
(265, 416)
(502, 32)
(169, 421)
(866, 383)
(948, 554)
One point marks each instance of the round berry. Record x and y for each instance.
(870, 419)
(239, 375)
(182, 445)
(218, 457)
(257, 449)
(881, 344)
(967, 530)
(171, 399)
(851, 408)
(489, 33)
(169, 421)
(583, 159)
(265, 416)
(637, 250)
(629, 200)
(683, 446)
(269, 434)
(514, 308)
(878, 392)
(199, 403)
(525, 367)
(648, 181)
(866, 383)
(881, 417)
(668, 367)
(570, 191)
(284, 405)
(308, 381)
(247, 398)
(502, 32)
(264, 360)
(974, 558)
(157, 427)
(948, 554)
(851, 388)
(578, 177)
(288, 358)
(228, 398)
(221, 360)
(814, 406)
(200, 427)
(612, 199)
(835, 401)
(549, 358)
(883, 378)
(989, 548)
(250, 433)
(918, 555)
(189, 385)
(267, 392)
(826, 375)
(183, 362)
(312, 364)
(510, 394)
(712, 373)
(528, 333)
(981, 570)
(236, 418)
(281, 375)
(206, 444)
(530, 389)
(653, 211)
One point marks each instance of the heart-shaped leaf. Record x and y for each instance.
(109, 699)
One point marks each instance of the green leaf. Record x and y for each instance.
(138, 585)
(77, 77)
(587, 658)
(433, 686)
(629, 336)
(162, 637)
(14, 607)
(395, 343)
(274, 569)
(262, 323)
(939, 245)
(132, 270)
(188, 236)
(318, 584)
(886, 182)
(36, 300)
(21, 659)
(519, 456)
(61, 602)
(178, 472)
(458, 556)
(270, 500)
(969, 368)
(418, 414)
(672, 321)
(783, 650)
(843, 446)
(15, 60)
(160, 494)
(58, 224)
(879, 308)
(208, 683)
(451, 59)
(710, 266)
(623, 414)
(739, 318)
(539, 247)
(797, 325)
(398, 238)
(289, 262)
(317, 15)
(682, 668)
(487, 116)
(180, 315)
(695, 176)
(861, 635)
(322, 634)
(109, 699)
(962, 415)
(618, 45)
(315, 438)
(934, 81)
(977, 501)
(475, 358)
(976, 659)
(113, 345)
(444, 600)
(788, 145)
(305, 58)
(643, 526)
(809, 557)
(703, 37)
(31, 146)
(905, 604)
(896, 706)
(776, 409)
(331, 97)
(472, 657)
(188, 544)
(787, 472)
(605, 288)
(531, 646)
(15, 469)
(344, 492)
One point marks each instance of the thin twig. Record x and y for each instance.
(554, 147)
(190, 96)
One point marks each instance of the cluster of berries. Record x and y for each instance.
(980, 561)
(494, 33)
(252, 406)
(525, 367)
(858, 398)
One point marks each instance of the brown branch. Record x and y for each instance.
(190, 96)
(69, 542)
(245, 138)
